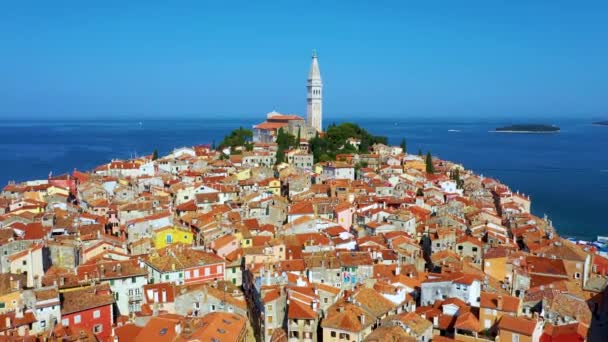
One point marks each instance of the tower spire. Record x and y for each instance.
(314, 97)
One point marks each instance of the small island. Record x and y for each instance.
(601, 123)
(528, 128)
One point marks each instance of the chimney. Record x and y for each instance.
(19, 310)
(436, 321)
(341, 308)
(499, 303)
(7, 321)
(164, 296)
(362, 319)
(315, 305)
(119, 268)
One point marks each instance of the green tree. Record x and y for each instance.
(237, 137)
(155, 154)
(298, 137)
(403, 145)
(430, 168)
(285, 140)
(280, 156)
(456, 177)
(335, 141)
(420, 152)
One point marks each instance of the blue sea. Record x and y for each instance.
(566, 174)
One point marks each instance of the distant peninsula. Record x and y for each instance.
(528, 128)
(601, 123)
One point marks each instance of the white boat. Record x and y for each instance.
(454, 130)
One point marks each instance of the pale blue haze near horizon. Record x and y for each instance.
(132, 59)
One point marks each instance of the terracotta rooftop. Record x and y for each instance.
(179, 258)
(347, 316)
(86, 298)
(518, 325)
(492, 300)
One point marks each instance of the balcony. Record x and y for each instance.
(308, 328)
(136, 297)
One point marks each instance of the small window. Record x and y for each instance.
(96, 314)
(97, 328)
(332, 334)
(77, 319)
(65, 322)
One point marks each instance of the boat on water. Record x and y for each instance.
(454, 130)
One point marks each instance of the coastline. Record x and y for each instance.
(527, 132)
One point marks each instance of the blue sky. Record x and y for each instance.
(430, 58)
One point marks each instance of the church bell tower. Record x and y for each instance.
(314, 108)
